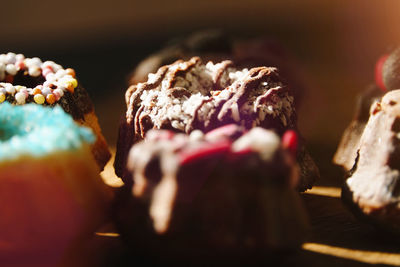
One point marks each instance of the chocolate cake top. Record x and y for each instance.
(189, 95)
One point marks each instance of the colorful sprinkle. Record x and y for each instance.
(34, 72)
(57, 79)
(379, 72)
(71, 72)
(51, 99)
(46, 72)
(290, 141)
(20, 98)
(10, 89)
(39, 99)
(11, 58)
(60, 92)
(70, 87)
(2, 97)
(11, 69)
(20, 65)
(36, 91)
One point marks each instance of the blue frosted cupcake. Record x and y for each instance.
(51, 194)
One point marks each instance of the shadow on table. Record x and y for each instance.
(333, 224)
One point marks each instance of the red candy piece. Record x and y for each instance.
(227, 131)
(206, 150)
(290, 141)
(20, 65)
(379, 73)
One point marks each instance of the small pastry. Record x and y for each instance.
(51, 194)
(190, 95)
(29, 80)
(346, 153)
(372, 187)
(226, 192)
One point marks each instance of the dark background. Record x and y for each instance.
(336, 44)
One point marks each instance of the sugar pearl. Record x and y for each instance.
(50, 98)
(36, 91)
(29, 63)
(56, 67)
(11, 58)
(60, 74)
(46, 71)
(20, 98)
(50, 77)
(34, 71)
(20, 65)
(11, 69)
(39, 99)
(20, 57)
(3, 58)
(48, 64)
(46, 91)
(74, 83)
(37, 61)
(70, 87)
(24, 91)
(71, 72)
(10, 89)
(2, 97)
(59, 91)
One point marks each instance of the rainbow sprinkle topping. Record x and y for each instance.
(40, 82)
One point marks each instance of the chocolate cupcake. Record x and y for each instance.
(190, 95)
(29, 80)
(226, 194)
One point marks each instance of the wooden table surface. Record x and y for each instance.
(336, 237)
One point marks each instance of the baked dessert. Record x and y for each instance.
(29, 80)
(51, 194)
(347, 150)
(346, 153)
(190, 95)
(226, 194)
(216, 46)
(372, 187)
